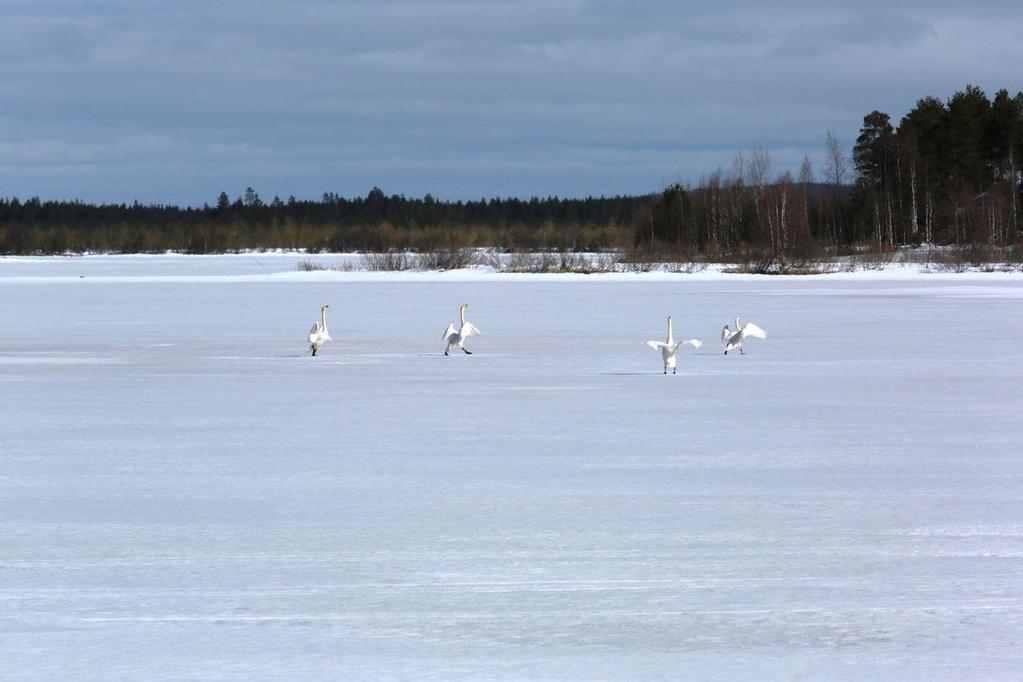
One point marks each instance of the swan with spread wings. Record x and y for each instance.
(733, 338)
(455, 338)
(669, 349)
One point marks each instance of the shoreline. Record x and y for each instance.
(283, 267)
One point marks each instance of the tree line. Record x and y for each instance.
(375, 222)
(948, 173)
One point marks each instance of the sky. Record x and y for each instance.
(174, 102)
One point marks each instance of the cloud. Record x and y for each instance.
(128, 99)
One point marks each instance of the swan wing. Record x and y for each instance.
(470, 330)
(753, 330)
(695, 343)
(450, 330)
(657, 345)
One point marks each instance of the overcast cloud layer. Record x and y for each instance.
(176, 101)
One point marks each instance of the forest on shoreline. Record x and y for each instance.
(947, 173)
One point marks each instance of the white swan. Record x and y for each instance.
(456, 337)
(669, 349)
(319, 335)
(734, 338)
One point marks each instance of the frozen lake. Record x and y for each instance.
(184, 493)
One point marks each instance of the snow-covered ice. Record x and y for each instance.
(185, 494)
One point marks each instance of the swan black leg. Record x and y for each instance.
(741, 351)
(674, 370)
(467, 352)
(314, 352)
(445, 353)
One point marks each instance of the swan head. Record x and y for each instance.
(463, 306)
(326, 306)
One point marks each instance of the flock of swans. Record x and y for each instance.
(455, 337)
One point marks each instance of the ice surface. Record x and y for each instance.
(185, 494)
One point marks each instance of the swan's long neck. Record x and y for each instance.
(738, 327)
(461, 315)
(669, 331)
(323, 319)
